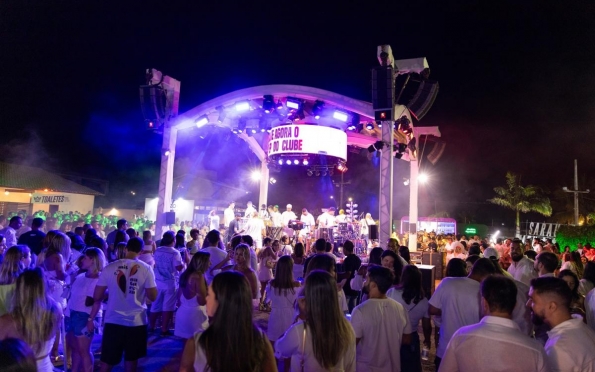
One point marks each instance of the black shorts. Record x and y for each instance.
(118, 339)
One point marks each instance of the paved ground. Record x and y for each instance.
(164, 353)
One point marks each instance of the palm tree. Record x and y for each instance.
(521, 199)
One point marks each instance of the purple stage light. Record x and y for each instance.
(339, 115)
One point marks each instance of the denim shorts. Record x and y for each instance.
(76, 322)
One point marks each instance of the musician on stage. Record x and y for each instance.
(364, 227)
(255, 228)
(276, 217)
(233, 227)
(327, 219)
(288, 215)
(263, 213)
(308, 221)
(249, 210)
(341, 218)
(229, 215)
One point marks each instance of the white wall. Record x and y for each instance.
(72, 202)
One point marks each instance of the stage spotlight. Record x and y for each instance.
(280, 161)
(342, 167)
(406, 181)
(272, 181)
(296, 162)
(264, 126)
(317, 173)
(293, 103)
(369, 126)
(341, 116)
(379, 124)
(317, 109)
(422, 178)
(255, 175)
(305, 162)
(253, 130)
(288, 162)
(268, 104)
(222, 114)
(371, 148)
(404, 125)
(377, 146)
(279, 105)
(166, 152)
(242, 106)
(201, 121)
(309, 173)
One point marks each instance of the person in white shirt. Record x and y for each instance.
(545, 264)
(381, 325)
(288, 215)
(307, 341)
(130, 282)
(168, 264)
(256, 229)
(341, 218)
(522, 268)
(308, 220)
(217, 254)
(571, 342)
(509, 349)
(276, 217)
(457, 301)
(229, 214)
(214, 220)
(327, 219)
(590, 308)
(249, 209)
(10, 231)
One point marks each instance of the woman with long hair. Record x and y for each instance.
(191, 316)
(232, 342)
(120, 237)
(34, 317)
(266, 262)
(410, 294)
(16, 260)
(577, 306)
(241, 256)
(78, 336)
(390, 260)
(572, 262)
(323, 340)
(375, 256)
(298, 261)
(281, 294)
(148, 240)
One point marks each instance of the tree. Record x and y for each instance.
(521, 199)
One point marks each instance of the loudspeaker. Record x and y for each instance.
(170, 218)
(436, 152)
(427, 280)
(373, 231)
(417, 94)
(153, 102)
(383, 94)
(436, 259)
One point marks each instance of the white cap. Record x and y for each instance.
(289, 206)
(490, 252)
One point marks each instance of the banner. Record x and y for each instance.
(49, 199)
(308, 139)
(541, 230)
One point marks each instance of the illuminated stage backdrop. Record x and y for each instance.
(308, 139)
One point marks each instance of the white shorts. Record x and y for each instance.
(165, 301)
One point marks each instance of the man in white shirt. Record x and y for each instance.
(10, 231)
(288, 215)
(341, 218)
(570, 342)
(229, 214)
(276, 217)
(545, 264)
(249, 209)
(308, 220)
(381, 325)
(509, 348)
(168, 264)
(590, 308)
(327, 219)
(256, 229)
(129, 282)
(214, 220)
(217, 255)
(457, 301)
(522, 268)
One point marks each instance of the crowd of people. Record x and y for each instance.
(353, 313)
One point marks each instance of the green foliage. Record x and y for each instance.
(572, 235)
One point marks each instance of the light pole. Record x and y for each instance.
(576, 191)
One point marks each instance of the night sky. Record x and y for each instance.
(517, 87)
